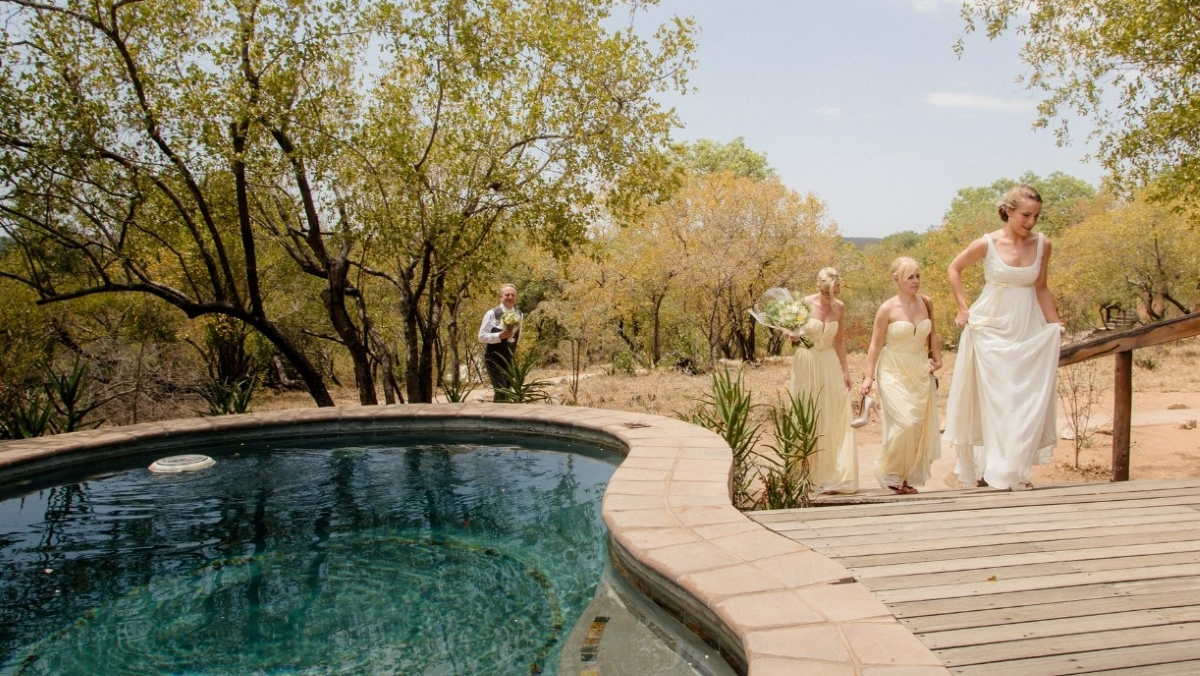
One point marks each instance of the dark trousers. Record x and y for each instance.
(496, 360)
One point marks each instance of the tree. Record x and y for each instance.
(709, 157)
(1132, 67)
(1139, 254)
(143, 143)
(743, 236)
(498, 118)
(250, 158)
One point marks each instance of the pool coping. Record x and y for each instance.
(769, 604)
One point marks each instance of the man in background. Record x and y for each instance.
(499, 332)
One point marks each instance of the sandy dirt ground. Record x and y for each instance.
(1165, 443)
(1166, 397)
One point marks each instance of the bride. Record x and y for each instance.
(1000, 415)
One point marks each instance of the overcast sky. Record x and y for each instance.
(865, 104)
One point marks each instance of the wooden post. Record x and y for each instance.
(1122, 414)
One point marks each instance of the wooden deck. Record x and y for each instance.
(1089, 579)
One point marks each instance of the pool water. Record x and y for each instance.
(322, 557)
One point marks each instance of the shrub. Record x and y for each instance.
(727, 410)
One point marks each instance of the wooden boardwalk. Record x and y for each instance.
(1086, 579)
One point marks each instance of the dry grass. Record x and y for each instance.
(1164, 376)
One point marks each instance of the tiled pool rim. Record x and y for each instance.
(771, 605)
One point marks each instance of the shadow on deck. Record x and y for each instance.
(1082, 579)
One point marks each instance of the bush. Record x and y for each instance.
(522, 388)
(226, 398)
(727, 410)
(786, 476)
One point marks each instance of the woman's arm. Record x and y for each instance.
(1045, 299)
(878, 336)
(839, 341)
(969, 256)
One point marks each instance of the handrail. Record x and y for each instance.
(1147, 335)
(1121, 344)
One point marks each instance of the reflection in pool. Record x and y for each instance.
(319, 557)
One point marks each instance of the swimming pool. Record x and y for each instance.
(303, 530)
(329, 555)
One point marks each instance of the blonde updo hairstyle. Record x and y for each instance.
(1014, 197)
(828, 278)
(904, 266)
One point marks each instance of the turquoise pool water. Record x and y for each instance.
(332, 555)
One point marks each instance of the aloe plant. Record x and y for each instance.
(70, 396)
(786, 474)
(728, 411)
(522, 388)
(27, 417)
(225, 398)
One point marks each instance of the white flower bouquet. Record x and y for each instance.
(777, 309)
(511, 319)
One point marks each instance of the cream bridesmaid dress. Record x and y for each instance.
(816, 372)
(1001, 411)
(907, 398)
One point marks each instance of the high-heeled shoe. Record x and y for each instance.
(864, 412)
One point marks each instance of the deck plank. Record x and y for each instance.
(1096, 578)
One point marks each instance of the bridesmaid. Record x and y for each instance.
(822, 372)
(904, 353)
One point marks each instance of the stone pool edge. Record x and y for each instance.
(771, 605)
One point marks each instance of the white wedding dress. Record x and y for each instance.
(1001, 410)
(817, 372)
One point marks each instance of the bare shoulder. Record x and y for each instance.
(970, 255)
(887, 308)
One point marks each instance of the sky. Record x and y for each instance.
(865, 104)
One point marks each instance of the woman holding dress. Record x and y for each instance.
(823, 373)
(1000, 415)
(904, 353)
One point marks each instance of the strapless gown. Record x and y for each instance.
(816, 371)
(907, 399)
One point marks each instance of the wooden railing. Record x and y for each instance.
(1122, 344)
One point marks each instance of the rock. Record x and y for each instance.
(1177, 406)
(1189, 424)
(1068, 433)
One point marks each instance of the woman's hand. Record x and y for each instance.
(865, 389)
(846, 380)
(961, 318)
(935, 363)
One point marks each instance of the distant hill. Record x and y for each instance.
(863, 242)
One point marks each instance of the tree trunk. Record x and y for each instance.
(656, 343)
(299, 361)
(343, 324)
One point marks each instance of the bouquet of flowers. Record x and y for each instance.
(778, 310)
(511, 319)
